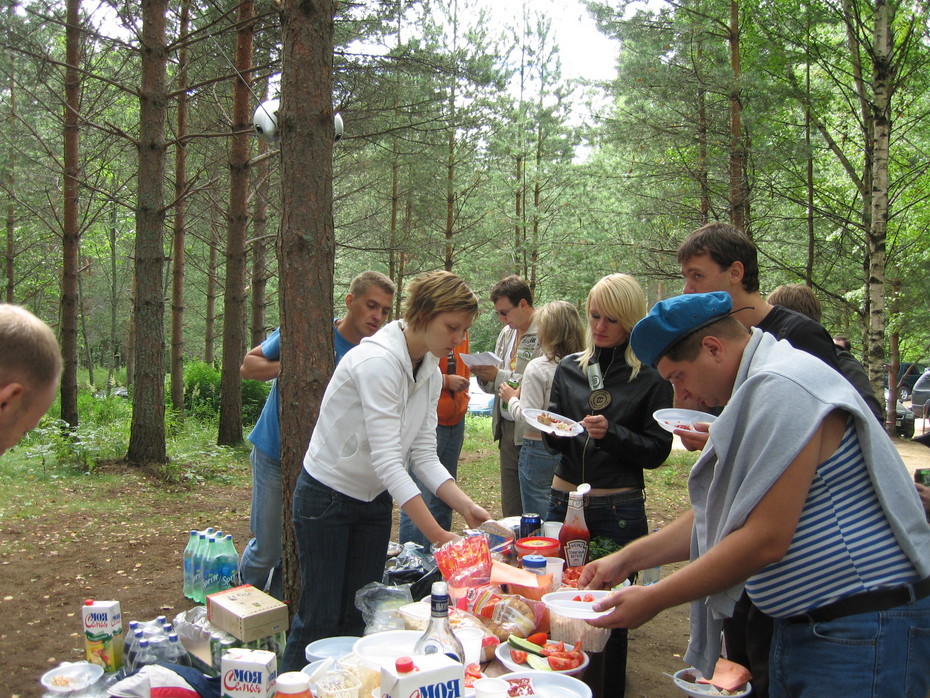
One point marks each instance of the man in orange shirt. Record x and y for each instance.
(450, 433)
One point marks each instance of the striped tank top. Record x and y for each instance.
(843, 544)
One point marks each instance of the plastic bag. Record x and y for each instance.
(408, 566)
(380, 606)
(505, 614)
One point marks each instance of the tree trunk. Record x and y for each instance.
(71, 234)
(738, 193)
(306, 242)
(178, 233)
(883, 87)
(210, 312)
(259, 244)
(9, 266)
(230, 427)
(450, 193)
(147, 430)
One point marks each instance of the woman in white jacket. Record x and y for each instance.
(378, 413)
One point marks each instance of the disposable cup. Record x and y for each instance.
(550, 529)
(554, 566)
(471, 643)
(491, 688)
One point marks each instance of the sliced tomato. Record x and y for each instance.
(474, 670)
(587, 598)
(538, 639)
(490, 641)
(560, 663)
(576, 597)
(519, 656)
(576, 652)
(551, 647)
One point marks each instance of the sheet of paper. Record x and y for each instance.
(485, 358)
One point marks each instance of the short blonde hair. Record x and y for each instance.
(29, 351)
(559, 329)
(437, 292)
(618, 296)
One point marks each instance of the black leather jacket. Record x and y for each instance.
(634, 440)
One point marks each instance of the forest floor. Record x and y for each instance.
(80, 543)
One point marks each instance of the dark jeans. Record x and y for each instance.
(747, 635)
(341, 544)
(622, 523)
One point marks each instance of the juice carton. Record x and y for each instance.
(433, 675)
(103, 633)
(248, 673)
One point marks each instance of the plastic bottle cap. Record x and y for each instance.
(534, 561)
(292, 682)
(404, 665)
(583, 488)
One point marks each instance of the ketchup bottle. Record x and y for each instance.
(574, 537)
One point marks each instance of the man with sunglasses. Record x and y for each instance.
(516, 346)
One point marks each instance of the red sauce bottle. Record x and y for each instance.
(574, 537)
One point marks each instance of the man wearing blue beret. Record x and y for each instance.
(799, 498)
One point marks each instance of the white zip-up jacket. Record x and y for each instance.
(375, 417)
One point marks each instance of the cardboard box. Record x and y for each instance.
(246, 613)
(248, 674)
(434, 675)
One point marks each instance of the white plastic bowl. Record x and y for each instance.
(563, 603)
(702, 690)
(383, 649)
(335, 647)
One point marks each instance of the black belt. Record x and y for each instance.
(866, 602)
(602, 501)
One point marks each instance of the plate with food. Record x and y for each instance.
(71, 677)
(693, 684)
(519, 654)
(676, 418)
(576, 604)
(545, 685)
(553, 423)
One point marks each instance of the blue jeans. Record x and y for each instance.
(867, 655)
(621, 523)
(341, 546)
(260, 565)
(536, 466)
(449, 441)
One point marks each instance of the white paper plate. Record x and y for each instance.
(503, 654)
(550, 684)
(71, 677)
(562, 603)
(677, 418)
(699, 690)
(532, 418)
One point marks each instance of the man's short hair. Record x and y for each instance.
(797, 297)
(514, 288)
(725, 244)
(361, 283)
(29, 351)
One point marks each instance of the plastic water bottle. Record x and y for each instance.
(145, 656)
(175, 652)
(199, 567)
(225, 566)
(210, 571)
(129, 655)
(192, 541)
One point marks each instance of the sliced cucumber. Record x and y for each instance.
(538, 663)
(520, 643)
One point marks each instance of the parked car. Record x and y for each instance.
(903, 419)
(479, 402)
(907, 378)
(920, 395)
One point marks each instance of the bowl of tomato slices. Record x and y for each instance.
(558, 657)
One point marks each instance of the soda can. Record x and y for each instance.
(922, 476)
(530, 525)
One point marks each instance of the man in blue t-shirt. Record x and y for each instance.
(369, 301)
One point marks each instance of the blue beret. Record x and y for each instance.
(671, 320)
